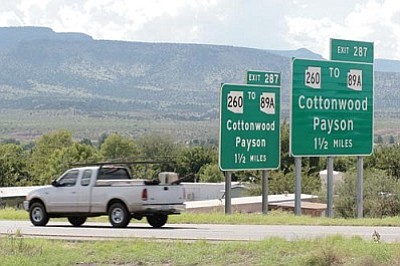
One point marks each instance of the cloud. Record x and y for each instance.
(272, 24)
(9, 17)
(239, 22)
(376, 21)
(101, 16)
(161, 20)
(312, 33)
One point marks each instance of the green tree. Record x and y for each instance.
(63, 159)
(13, 166)
(344, 163)
(381, 195)
(44, 150)
(386, 158)
(86, 141)
(192, 159)
(287, 161)
(157, 148)
(117, 147)
(281, 182)
(101, 140)
(246, 175)
(211, 173)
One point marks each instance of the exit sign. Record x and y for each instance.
(352, 51)
(249, 136)
(263, 78)
(332, 108)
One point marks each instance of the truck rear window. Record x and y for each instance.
(113, 173)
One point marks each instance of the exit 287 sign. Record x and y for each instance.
(249, 127)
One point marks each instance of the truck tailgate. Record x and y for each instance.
(165, 194)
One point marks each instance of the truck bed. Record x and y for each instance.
(119, 182)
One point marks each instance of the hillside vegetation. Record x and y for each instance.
(52, 80)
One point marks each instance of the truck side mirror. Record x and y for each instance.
(55, 183)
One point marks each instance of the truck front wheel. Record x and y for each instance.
(38, 214)
(157, 220)
(118, 215)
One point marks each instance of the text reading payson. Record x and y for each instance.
(332, 104)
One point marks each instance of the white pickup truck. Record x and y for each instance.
(105, 190)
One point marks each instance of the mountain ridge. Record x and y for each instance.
(166, 82)
(13, 35)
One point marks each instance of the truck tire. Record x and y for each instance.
(157, 220)
(38, 214)
(118, 215)
(77, 220)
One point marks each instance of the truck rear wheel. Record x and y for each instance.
(38, 214)
(77, 220)
(157, 220)
(118, 215)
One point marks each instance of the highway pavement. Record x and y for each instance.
(212, 232)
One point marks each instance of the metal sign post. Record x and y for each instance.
(297, 196)
(360, 201)
(329, 183)
(228, 180)
(265, 192)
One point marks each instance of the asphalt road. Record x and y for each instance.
(214, 232)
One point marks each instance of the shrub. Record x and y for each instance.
(380, 192)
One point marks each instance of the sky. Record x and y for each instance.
(261, 24)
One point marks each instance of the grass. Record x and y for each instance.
(13, 214)
(336, 250)
(273, 217)
(278, 218)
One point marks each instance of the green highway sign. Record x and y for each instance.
(352, 51)
(249, 135)
(331, 108)
(263, 78)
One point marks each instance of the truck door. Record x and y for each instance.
(62, 198)
(85, 191)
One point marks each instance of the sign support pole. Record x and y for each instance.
(297, 196)
(360, 172)
(265, 192)
(228, 207)
(329, 183)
